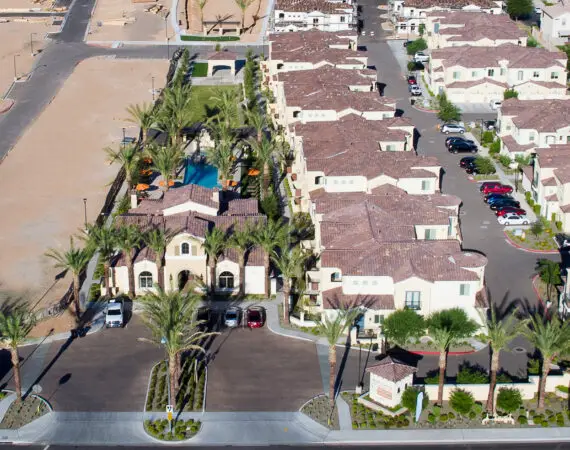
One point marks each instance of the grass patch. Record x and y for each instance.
(181, 429)
(543, 241)
(486, 177)
(200, 70)
(209, 38)
(203, 106)
(190, 396)
(22, 413)
(319, 410)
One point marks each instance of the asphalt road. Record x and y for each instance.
(533, 446)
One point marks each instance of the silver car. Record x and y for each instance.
(232, 317)
(421, 57)
(452, 128)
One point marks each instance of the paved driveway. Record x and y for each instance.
(256, 370)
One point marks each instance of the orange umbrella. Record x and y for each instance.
(170, 183)
(146, 172)
(142, 187)
(147, 160)
(232, 183)
(253, 172)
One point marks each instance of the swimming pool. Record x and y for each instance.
(201, 174)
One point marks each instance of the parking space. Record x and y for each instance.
(256, 370)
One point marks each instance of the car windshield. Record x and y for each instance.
(254, 315)
(113, 312)
(231, 315)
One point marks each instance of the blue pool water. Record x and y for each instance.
(201, 174)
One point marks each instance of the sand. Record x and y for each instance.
(15, 40)
(58, 162)
(6, 5)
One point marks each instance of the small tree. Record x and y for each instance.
(402, 325)
(537, 228)
(509, 400)
(519, 9)
(422, 29)
(531, 42)
(410, 399)
(484, 165)
(447, 110)
(416, 46)
(510, 93)
(462, 401)
(549, 272)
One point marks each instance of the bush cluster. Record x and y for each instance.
(181, 429)
(250, 78)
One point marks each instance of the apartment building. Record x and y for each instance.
(555, 22)
(302, 15)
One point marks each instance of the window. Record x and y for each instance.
(185, 248)
(535, 74)
(342, 19)
(226, 280)
(430, 234)
(503, 72)
(490, 72)
(531, 137)
(474, 74)
(145, 280)
(554, 75)
(426, 185)
(450, 227)
(464, 289)
(391, 148)
(336, 276)
(315, 21)
(355, 282)
(281, 15)
(436, 28)
(319, 180)
(379, 318)
(520, 75)
(413, 300)
(456, 75)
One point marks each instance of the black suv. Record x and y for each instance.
(462, 146)
(467, 161)
(505, 202)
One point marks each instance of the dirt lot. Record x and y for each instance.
(229, 9)
(6, 5)
(58, 162)
(15, 40)
(122, 20)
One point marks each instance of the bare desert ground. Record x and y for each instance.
(15, 41)
(123, 20)
(58, 162)
(25, 4)
(216, 9)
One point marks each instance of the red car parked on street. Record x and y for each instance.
(510, 210)
(255, 317)
(496, 188)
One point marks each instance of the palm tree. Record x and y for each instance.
(257, 121)
(269, 236)
(549, 272)
(75, 260)
(202, 5)
(333, 329)
(226, 102)
(14, 328)
(129, 238)
(291, 264)
(171, 318)
(143, 116)
(552, 339)
(176, 112)
(241, 239)
(446, 328)
(499, 334)
(214, 244)
(263, 154)
(222, 158)
(285, 154)
(129, 157)
(157, 239)
(104, 241)
(166, 160)
(243, 5)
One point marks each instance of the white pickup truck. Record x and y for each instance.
(114, 317)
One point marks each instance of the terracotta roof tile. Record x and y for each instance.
(473, 83)
(309, 6)
(328, 75)
(391, 369)
(511, 145)
(540, 115)
(477, 25)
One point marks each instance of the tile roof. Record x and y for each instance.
(540, 115)
(548, 181)
(320, 96)
(242, 207)
(451, 4)
(483, 57)
(513, 146)
(177, 196)
(477, 25)
(391, 369)
(556, 9)
(554, 157)
(309, 6)
(551, 198)
(473, 83)
(335, 299)
(328, 75)
(224, 55)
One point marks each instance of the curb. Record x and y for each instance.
(528, 250)
(542, 302)
(437, 353)
(430, 111)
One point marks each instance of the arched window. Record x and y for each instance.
(226, 280)
(145, 280)
(185, 248)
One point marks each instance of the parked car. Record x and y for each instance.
(412, 79)
(452, 128)
(421, 57)
(204, 316)
(114, 317)
(489, 124)
(563, 241)
(538, 10)
(255, 317)
(232, 317)
(462, 146)
(489, 198)
(467, 161)
(496, 188)
(505, 202)
(451, 139)
(510, 210)
(488, 184)
(495, 104)
(415, 90)
(473, 169)
(512, 219)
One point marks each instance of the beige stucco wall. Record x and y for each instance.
(386, 392)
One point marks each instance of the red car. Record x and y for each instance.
(510, 210)
(496, 189)
(412, 79)
(255, 317)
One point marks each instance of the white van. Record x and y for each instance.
(495, 104)
(114, 317)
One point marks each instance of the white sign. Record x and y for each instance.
(169, 408)
(419, 405)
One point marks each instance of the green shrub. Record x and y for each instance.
(505, 161)
(416, 46)
(558, 224)
(431, 418)
(478, 408)
(488, 137)
(461, 401)
(472, 375)
(504, 378)
(510, 93)
(484, 165)
(451, 416)
(495, 147)
(437, 410)
(523, 420)
(531, 42)
(562, 388)
(509, 400)
(433, 379)
(410, 399)
(412, 66)
(403, 325)
(536, 209)
(472, 415)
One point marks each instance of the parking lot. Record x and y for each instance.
(256, 370)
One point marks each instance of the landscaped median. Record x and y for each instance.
(22, 413)
(181, 429)
(532, 240)
(319, 409)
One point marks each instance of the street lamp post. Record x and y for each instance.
(124, 136)
(482, 126)
(168, 48)
(85, 212)
(15, 72)
(152, 81)
(32, 43)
